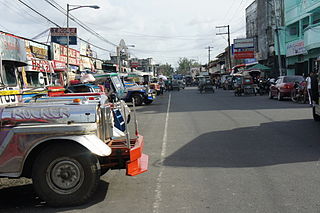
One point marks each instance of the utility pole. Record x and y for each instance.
(229, 45)
(278, 39)
(209, 50)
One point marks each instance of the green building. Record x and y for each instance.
(302, 36)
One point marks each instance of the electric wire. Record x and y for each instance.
(57, 25)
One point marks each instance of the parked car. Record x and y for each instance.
(283, 86)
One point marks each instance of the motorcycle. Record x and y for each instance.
(299, 94)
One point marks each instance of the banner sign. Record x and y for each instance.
(59, 53)
(243, 48)
(12, 49)
(60, 36)
(296, 48)
(244, 53)
(243, 43)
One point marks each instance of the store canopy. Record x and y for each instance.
(260, 67)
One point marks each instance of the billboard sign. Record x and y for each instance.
(12, 49)
(243, 48)
(59, 54)
(60, 36)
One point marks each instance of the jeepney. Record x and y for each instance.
(64, 146)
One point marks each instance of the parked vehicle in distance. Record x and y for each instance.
(205, 84)
(283, 86)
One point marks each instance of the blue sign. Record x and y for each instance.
(250, 60)
(63, 40)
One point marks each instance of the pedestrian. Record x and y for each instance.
(161, 83)
(308, 80)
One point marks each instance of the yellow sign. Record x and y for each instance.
(9, 92)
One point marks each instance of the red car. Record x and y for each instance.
(284, 86)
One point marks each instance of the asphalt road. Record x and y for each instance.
(209, 153)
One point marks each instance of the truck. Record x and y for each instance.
(63, 146)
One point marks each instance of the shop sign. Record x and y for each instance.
(243, 43)
(85, 49)
(60, 35)
(39, 65)
(86, 63)
(244, 53)
(98, 64)
(243, 48)
(57, 65)
(59, 53)
(36, 50)
(296, 48)
(12, 49)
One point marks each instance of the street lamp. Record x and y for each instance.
(68, 33)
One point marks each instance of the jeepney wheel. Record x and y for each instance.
(65, 175)
(138, 99)
(315, 116)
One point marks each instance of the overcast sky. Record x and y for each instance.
(164, 30)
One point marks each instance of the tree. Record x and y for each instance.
(165, 69)
(185, 65)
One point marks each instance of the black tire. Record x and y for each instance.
(294, 96)
(138, 99)
(65, 175)
(148, 102)
(270, 95)
(315, 116)
(279, 96)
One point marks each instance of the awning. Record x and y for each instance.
(260, 67)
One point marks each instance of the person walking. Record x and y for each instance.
(308, 80)
(161, 83)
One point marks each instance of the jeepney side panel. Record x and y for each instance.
(18, 142)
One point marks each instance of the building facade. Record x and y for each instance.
(261, 18)
(302, 21)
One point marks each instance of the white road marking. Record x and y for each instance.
(158, 199)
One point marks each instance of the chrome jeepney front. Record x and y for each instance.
(24, 127)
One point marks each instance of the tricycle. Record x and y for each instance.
(205, 85)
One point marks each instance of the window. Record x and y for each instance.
(9, 75)
(293, 30)
(305, 22)
(33, 79)
(289, 79)
(316, 18)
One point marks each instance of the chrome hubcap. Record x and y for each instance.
(65, 176)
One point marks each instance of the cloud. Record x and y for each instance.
(163, 29)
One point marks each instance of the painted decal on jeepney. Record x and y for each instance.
(41, 113)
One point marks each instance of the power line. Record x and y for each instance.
(59, 26)
(38, 13)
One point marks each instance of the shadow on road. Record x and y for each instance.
(268, 144)
(23, 198)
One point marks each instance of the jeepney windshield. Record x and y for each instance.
(9, 77)
(33, 79)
